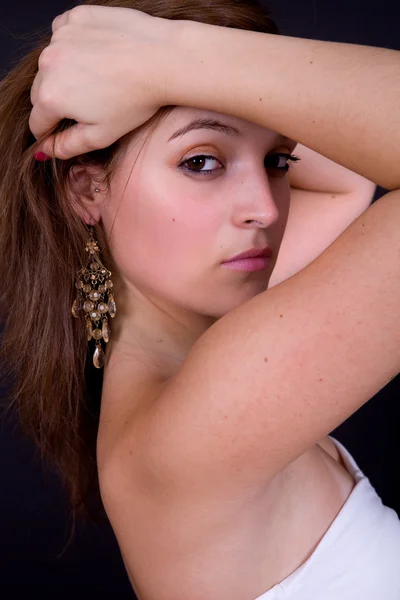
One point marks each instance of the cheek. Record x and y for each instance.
(155, 237)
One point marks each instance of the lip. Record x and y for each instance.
(248, 264)
(266, 252)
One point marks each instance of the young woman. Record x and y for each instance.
(222, 380)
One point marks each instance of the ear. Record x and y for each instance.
(85, 200)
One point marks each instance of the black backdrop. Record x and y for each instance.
(33, 515)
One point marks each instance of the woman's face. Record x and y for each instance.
(170, 229)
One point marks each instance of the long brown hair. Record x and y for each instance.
(45, 357)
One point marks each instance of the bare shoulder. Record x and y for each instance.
(131, 445)
(273, 377)
(129, 391)
(180, 525)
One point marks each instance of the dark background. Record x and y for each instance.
(34, 520)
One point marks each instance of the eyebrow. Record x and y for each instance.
(214, 125)
(206, 124)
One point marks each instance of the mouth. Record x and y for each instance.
(259, 263)
(253, 253)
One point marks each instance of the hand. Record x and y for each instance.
(104, 68)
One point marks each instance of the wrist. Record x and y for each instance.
(155, 46)
(172, 68)
(183, 76)
(169, 68)
(201, 75)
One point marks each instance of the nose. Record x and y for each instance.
(256, 206)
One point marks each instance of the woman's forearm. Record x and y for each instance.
(316, 173)
(341, 100)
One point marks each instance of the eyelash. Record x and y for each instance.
(182, 165)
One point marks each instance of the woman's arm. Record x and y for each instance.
(325, 198)
(317, 173)
(298, 359)
(315, 221)
(341, 100)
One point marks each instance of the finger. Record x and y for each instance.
(74, 141)
(60, 20)
(42, 120)
(35, 88)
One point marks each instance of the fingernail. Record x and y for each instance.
(41, 156)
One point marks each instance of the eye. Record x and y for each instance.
(273, 161)
(198, 161)
(279, 161)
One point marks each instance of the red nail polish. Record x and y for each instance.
(41, 156)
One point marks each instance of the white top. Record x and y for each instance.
(358, 557)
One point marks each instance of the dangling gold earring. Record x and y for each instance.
(93, 283)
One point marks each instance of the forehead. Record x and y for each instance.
(183, 120)
(183, 123)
